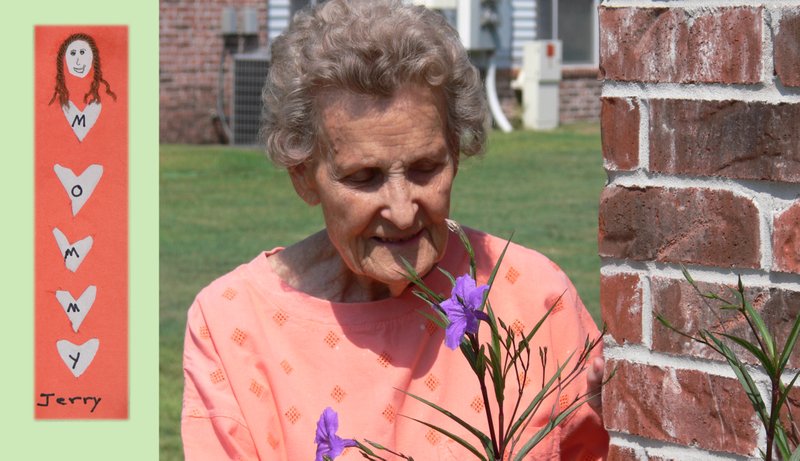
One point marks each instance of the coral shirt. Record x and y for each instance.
(262, 361)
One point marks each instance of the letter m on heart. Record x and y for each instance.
(80, 120)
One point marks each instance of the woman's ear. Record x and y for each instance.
(304, 183)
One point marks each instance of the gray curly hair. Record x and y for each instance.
(370, 47)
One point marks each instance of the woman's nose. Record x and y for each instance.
(400, 207)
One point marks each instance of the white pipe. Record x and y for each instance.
(494, 104)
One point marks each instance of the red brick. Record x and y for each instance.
(787, 48)
(619, 118)
(696, 226)
(786, 240)
(686, 407)
(687, 311)
(718, 45)
(579, 95)
(732, 139)
(617, 453)
(621, 301)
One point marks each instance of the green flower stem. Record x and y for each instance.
(485, 395)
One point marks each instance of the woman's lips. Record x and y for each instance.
(79, 69)
(398, 240)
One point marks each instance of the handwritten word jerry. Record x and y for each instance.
(51, 399)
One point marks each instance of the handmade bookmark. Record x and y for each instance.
(81, 222)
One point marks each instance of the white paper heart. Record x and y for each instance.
(74, 253)
(81, 121)
(77, 357)
(76, 310)
(79, 188)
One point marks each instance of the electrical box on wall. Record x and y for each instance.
(477, 21)
(541, 60)
(541, 76)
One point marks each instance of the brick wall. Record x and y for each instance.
(701, 141)
(579, 95)
(189, 61)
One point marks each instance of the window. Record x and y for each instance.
(574, 22)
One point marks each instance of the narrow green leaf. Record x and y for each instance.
(546, 429)
(477, 433)
(750, 388)
(447, 274)
(753, 349)
(499, 261)
(783, 395)
(686, 275)
(451, 436)
(538, 398)
(368, 453)
(795, 455)
(456, 227)
(441, 321)
(381, 447)
(762, 327)
(413, 277)
(790, 343)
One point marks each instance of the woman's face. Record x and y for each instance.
(385, 184)
(79, 58)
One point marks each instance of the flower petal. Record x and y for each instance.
(454, 332)
(474, 298)
(464, 285)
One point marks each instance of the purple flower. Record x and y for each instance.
(463, 309)
(328, 443)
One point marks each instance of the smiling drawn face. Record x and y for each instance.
(79, 58)
(385, 186)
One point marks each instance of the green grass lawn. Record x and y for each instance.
(220, 206)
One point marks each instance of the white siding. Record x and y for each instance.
(278, 12)
(523, 29)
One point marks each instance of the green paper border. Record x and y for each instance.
(137, 437)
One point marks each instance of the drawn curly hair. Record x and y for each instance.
(61, 92)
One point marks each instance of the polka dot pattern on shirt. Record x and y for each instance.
(384, 359)
(332, 339)
(477, 404)
(280, 317)
(338, 394)
(389, 413)
(292, 415)
(432, 382)
(229, 294)
(512, 275)
(238, 336)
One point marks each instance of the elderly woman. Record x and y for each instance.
(370, 106)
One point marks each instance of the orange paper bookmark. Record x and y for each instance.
(81, 222)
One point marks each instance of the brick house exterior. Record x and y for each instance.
(189, 63)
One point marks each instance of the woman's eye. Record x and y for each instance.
(361, 177)
(426, 167)
(72, 53)
(424, 171)
(82, 52)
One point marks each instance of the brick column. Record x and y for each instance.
(701, 141)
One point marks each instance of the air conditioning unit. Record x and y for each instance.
(249, 76)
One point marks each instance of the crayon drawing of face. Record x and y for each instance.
(79, 58)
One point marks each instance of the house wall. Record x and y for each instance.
(700, 117)
(190, 46)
